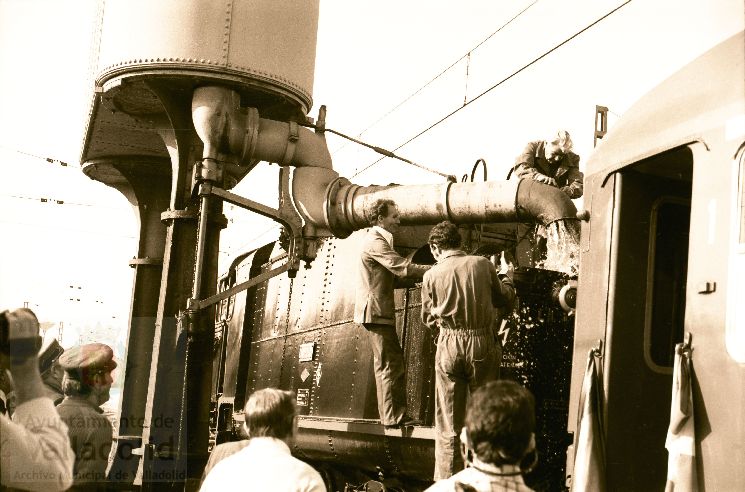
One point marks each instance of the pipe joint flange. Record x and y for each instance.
(333, 210)
(208, 169)
(251, 134)
(170, 215)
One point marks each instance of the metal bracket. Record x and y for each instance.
(177, 215)
(208, 169)
(240, 287)
(601, 123)
(146, 261)
(285, 215)
(292, 138)
(251, 136)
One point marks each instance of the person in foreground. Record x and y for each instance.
(266, 463)
(34, 447)
(499, 437)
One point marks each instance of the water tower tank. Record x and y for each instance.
(263, 49)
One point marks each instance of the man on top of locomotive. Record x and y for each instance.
(461, 297)
(551, 162)
(498, 437)
(374, 308)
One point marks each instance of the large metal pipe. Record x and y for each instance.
(542, 203)
(333, 205)
(347, 205)
(226, 128)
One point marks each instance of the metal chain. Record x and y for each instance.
(287, 326)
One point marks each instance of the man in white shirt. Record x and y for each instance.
(266, 463)
(35, 452)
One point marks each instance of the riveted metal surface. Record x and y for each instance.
(254, 326)
(372, 451)
(419, 352)
(329, 249)
(307, 299)
(345, 379)
(318, 370)
(271, 42)
(342, 277)
(113, 132)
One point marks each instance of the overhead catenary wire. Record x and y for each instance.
(56, 201)
(445, 70)
(505, 79)
(96, 232)
(50, 160)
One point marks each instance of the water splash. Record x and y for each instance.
(562, 247)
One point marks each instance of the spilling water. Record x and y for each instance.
(562, 247)
(537, 339)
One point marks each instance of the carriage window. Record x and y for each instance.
(735, 331)
(669, 225)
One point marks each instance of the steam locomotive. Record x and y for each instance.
(665, 194)
(179, 116)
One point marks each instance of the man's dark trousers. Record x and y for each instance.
(390, 382)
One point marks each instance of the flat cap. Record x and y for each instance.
(87, 360)
(49, 354)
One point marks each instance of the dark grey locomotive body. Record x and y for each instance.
(298, 334)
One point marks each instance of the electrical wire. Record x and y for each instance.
(67, 229)
(468, 54)
(529, 64)
(50, 160)
(55, 201)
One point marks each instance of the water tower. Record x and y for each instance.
(150, 60)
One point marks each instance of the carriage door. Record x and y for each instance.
(646, 314)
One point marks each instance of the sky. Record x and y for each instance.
(387, 70)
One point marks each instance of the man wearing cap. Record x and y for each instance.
(51, 372)
(86, 386)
